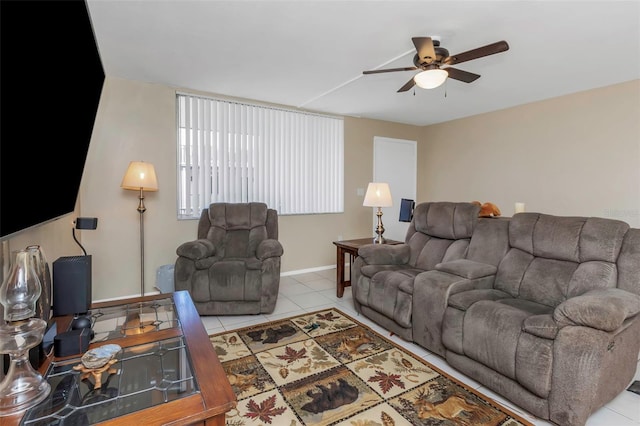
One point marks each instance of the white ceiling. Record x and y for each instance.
(311, 54)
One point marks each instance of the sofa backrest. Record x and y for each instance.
(552, 258)
(236, 229)
(629, 262)
(440, 232)
(490, 240)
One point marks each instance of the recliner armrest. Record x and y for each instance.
(269, 248)
(467, 268)
(385, 254)
(603, 309)
(196, 250)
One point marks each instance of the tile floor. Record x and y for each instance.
(317, 290)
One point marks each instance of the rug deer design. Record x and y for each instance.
(450, 409)
(355, 344)
(241, 382)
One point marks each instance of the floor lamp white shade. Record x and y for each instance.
(140, 176)
(378, 195)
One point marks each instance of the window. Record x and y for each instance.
(237, 152)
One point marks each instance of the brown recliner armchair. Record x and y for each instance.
(233, 268)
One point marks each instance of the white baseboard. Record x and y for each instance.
(304, 271)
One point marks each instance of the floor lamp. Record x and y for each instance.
(378, 195)
(140, 176)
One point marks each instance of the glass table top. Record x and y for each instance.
(142, 376)
(132, 318)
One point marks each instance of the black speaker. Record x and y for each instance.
(71, 285)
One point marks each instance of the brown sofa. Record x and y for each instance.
(542, 309)
(384, 274)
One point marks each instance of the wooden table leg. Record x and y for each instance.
(340, 272)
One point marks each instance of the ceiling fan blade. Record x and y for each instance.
(408, 85)
(390, 70)
(487, 50)
(424, 46)
(460, 75)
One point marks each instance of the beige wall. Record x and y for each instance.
(574, 155)
(54, 238)
(578, 154)
(136, 121)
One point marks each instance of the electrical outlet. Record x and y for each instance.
(360, 192)
(339, 237)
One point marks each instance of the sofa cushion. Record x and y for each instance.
(227, 282)
(534, 364)
(592, 275)
(558, 237)
(511, 271)
(490, 335)
(196, 250)
(467, 268)
(432, 253)
(603, 309)
(490, 240)
(541, 326)
(447, 220)
(528, 306)
(575, 239)
(387, 297)
(601, 239)
(463, 300)
(385, 254)
(551, 281)
(546, 281)
(371, 270)
(629, 262)
(237, 228)
(233, 216)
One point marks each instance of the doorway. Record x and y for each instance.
(395, 162)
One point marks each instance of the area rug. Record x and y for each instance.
(326, 368)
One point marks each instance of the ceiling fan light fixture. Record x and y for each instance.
(430, 79)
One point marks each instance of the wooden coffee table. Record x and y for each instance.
(191, 387)
(350, 247)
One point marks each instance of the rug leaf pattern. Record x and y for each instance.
(326, 368)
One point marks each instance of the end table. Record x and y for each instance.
(350, 247)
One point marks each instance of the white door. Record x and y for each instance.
(395, 162)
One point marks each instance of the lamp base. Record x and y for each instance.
(379, 239)
(22, 387)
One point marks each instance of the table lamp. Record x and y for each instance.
(378, 195)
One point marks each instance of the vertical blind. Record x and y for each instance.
(234, 152)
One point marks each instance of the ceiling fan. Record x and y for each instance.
(430, 58)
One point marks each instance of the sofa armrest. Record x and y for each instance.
(602, 309)
(269, 248)
(385, 254)
(467, 268)
(196, 250)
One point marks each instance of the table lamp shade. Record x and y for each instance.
(140, 175)
(378, 195)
